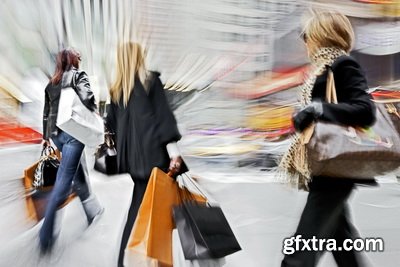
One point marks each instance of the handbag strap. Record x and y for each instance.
(47, 151)
(331, 96)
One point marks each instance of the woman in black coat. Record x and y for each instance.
(328, 37)
(145, 128)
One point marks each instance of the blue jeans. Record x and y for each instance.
(71, 174)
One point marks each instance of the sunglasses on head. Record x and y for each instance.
(303, 36)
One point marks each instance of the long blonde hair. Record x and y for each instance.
(130, 64)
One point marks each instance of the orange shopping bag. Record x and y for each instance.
(150, 243)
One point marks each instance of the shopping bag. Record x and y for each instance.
(150, 242)
(179, 258)
(77, 120)
(204, 231)
(36, 198)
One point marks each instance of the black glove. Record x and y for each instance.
(307, 115)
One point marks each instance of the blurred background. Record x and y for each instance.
(231, 71)
(230, 67)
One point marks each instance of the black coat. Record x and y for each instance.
(74, 78)
(354, 107)
(143, 129)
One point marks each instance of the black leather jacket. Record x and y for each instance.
(74, 78)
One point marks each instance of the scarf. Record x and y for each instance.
(293, 167)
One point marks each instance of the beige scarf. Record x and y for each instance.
(294, 168)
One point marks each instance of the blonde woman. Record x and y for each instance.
(328, 37)
(144, 127)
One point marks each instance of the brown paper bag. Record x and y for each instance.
(151, 237)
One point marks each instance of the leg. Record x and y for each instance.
(346, 230)
(138, 193)
(81, 186)
(320, 218)
(71, 153)
(81, 180)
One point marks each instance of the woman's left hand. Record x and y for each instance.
(307, 115)
(175, 165)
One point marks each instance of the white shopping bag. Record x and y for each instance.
(180, 261)
(78, 121)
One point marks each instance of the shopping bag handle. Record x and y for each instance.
(47, 151)
(201, 192)
(209, 200)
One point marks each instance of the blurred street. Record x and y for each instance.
(232, 72)
(261, 214)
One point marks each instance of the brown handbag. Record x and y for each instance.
(347, 152)
(37, 199)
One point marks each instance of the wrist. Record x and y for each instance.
(318, 109)
(173, 150)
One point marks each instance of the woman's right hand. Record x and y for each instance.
(45, 143)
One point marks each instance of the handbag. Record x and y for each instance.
(203, 229)
(77, 120)
(46, 170)
(106, 156)
(392, 108)
(36, 199)
(349, 152)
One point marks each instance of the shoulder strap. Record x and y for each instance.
(331, 96)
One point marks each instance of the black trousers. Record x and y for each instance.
(326, 215)
(138, 192)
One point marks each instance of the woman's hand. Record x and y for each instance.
(307, 115)
(175, 165)
(46, 143)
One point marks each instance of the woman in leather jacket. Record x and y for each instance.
(72, 171)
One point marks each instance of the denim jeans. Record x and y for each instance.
(72, 174)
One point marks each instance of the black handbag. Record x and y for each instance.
(106, 156)
(46, 170)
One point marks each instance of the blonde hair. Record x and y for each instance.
(329, 29)
(130, 64)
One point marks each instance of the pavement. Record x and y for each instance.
(261, 213)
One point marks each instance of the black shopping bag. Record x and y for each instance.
(204, 231)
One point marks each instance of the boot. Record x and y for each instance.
(92, 208)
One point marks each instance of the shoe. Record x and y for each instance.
(45, 245)
(92, 208)
(96, 217)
